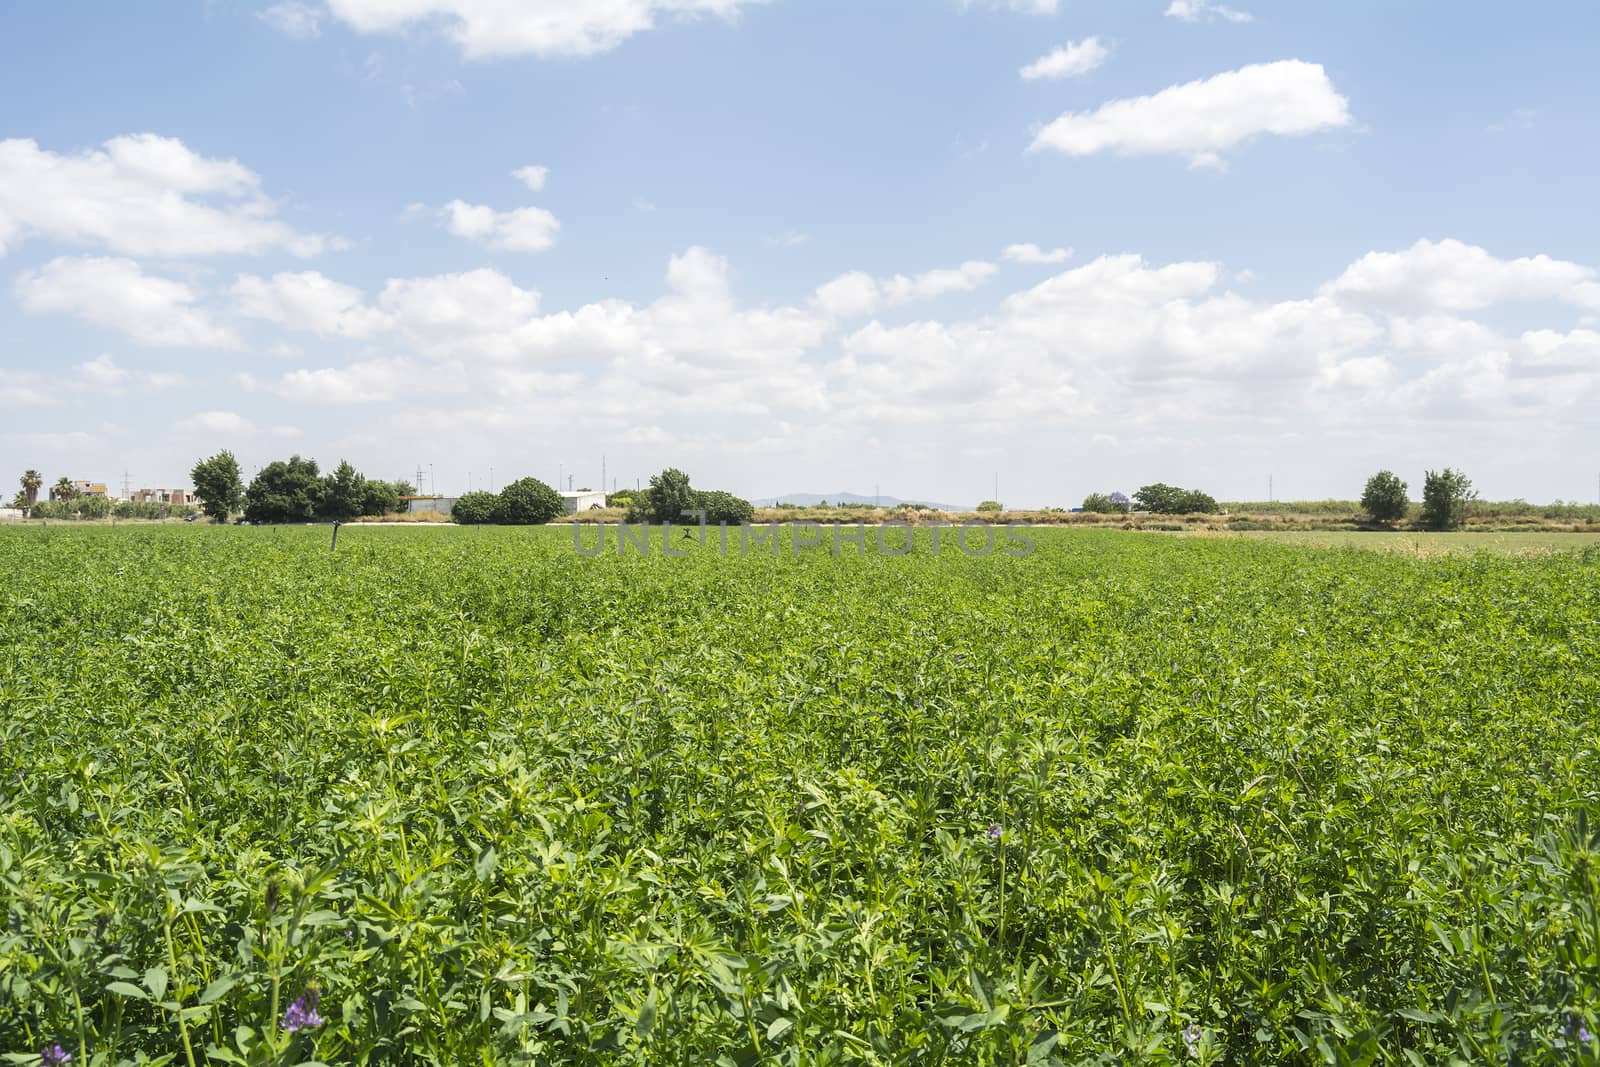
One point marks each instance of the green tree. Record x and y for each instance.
(724, 507)
(1102, 504)
(1159, 499)
(31, 481)
(670, 496)
(475, 509)
(990, 506)
(528, 502)
(1444, 499)
(1194, 502)
(218, 484)
(1384, 498)
(379, 498)
(285, 491)
(63, 489)
(343, 493)
(1163, 499)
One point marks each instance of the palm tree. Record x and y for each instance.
(63, 489)
(31, 481)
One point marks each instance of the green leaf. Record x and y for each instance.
(155, 980)
(127, 989)
(647, 1016)
(218, 989)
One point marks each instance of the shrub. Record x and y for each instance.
(285, 491)
(1163, 499)
(1104, 504)
(1384, 498)
(475, 509)
(724, 507)
(528, 502)
(990, 506)
(1444, 499)
(670, 495)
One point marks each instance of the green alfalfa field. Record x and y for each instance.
(464, 796)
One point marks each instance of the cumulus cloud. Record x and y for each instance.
(293, 18)
(308, 302)
(214, 422)
(118, 294)
(532, 176)
(856, 293)
(366, 382)
(1201, 119)
(1451, 275)
(1072, 60)
(1202, 11)
(1146, 343)
(1032, 253)
(528, 229)
(489, 29)
(1021, 7)
(141, 195)
(104, 374)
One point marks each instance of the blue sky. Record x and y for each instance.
(769, 242)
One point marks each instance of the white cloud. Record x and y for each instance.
(1032, 253)
(1147, 344)
(1203, 11)
(307, 301)
(294, 18)
(118, 294)
(140, 195)
(104, 374)
(1021, 7)
(1450, 275)
(935, 283)
(365, 383)
(214, 422)
(1072, 60)
(532, 176)
(528, 229)
(1203, 118)
(488, 29)
(854, 294)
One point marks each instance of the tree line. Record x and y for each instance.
(1385, 500)
(292, 490)
(670, 498)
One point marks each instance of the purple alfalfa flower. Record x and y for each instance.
(1191, 1037)
(54, 1056)
(995, 832)
(302, 1014)
(1577, 1028)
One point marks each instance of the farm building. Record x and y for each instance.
(415, 504)
(163, 496)
(582, 500)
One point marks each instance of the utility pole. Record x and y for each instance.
(433, 483)
(419, 478)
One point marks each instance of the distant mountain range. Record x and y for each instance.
(809, 500)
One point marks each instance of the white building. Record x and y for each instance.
(584, 500)
(442, 504)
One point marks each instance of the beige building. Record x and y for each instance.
(164, 496)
